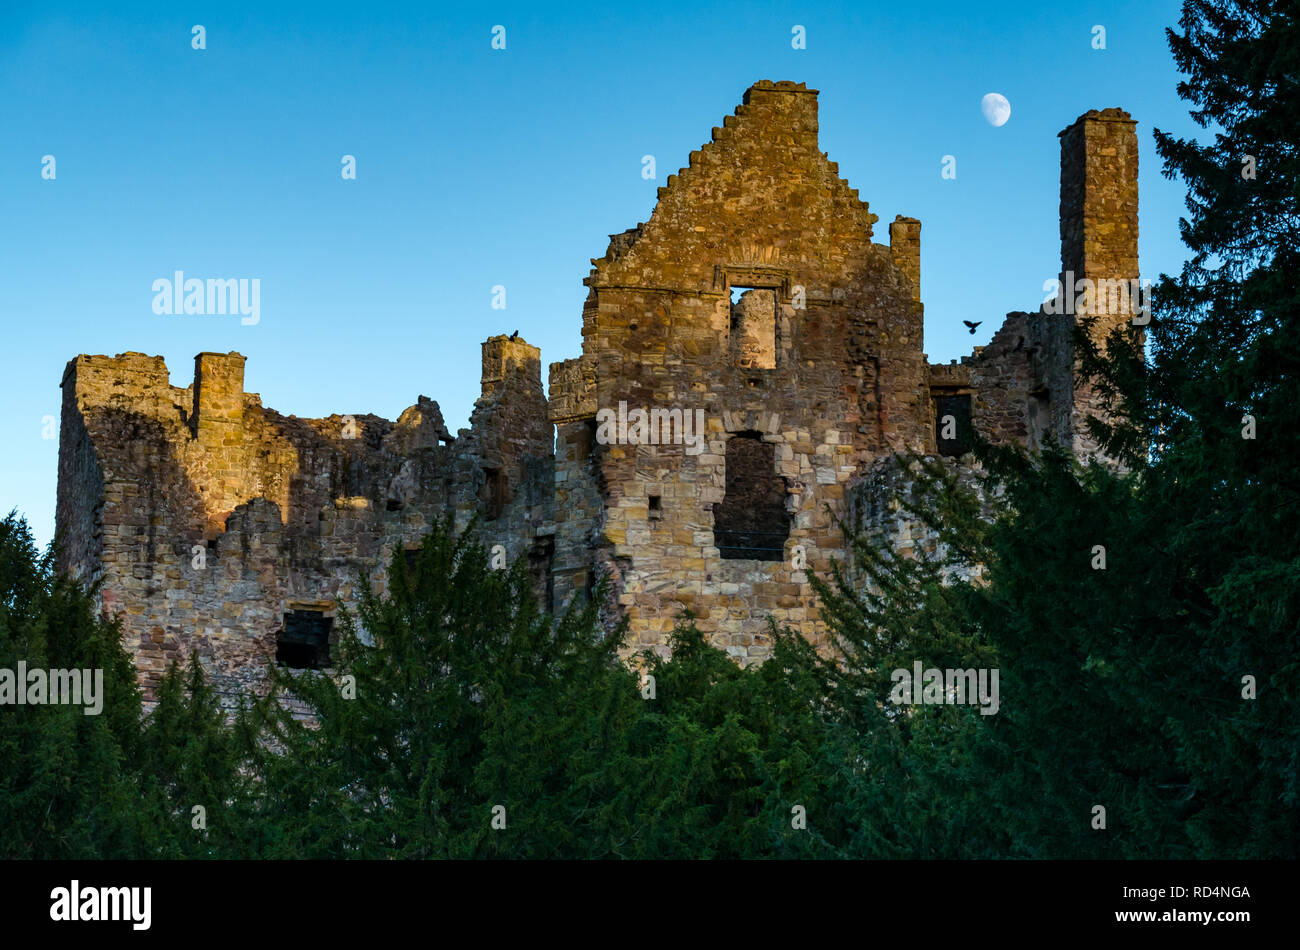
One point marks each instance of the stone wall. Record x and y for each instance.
(753, 303)
(881, 510)
(821, 357)
(207, 517)
(1026, 382)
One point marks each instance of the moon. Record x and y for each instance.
(996, 109)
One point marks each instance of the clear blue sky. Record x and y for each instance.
(478, 167)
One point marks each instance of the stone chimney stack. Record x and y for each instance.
(218, 396)
(1099, 237)
(905, 246)
(1099, 199)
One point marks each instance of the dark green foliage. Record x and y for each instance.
(467, 697)
(195, 755)
(65, 784)
(1123, 687)
(1221, 512)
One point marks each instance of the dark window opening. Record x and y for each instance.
(585, 441)
(656, 508)
(1040, 418)
(494, 493)
(541, 563)
(582, 586)
(410, 555)
(751, 522)
(753, 328)
(394, 504)
(303, 642)
(952, 431)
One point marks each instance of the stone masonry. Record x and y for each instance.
(753, 299)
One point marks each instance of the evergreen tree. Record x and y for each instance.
(1221, 407)
(1122, 686)
(727, 757)
(194, 770)
(455, 704)
(66, 788)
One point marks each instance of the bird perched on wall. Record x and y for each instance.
(972, 326)
(515, 335)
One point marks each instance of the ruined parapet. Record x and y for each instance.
(222, 527)
(572, 391)
(418, 427)
(507, 356)
(1020, 383)
(509, 422)
(1003, 374)
(217, 421)
(506, 459)
(579, 504)
(113, 409)
(621, 242)
(952, 375)
(129, 381)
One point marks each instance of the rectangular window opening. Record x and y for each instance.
(585, 441)
(1040, 418)
(303, 641)
(753, 327)
(952, 427)
(494, 493)
(541, 570)
(752, 521)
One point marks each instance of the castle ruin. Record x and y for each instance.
(754, 299)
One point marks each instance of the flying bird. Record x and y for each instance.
(515, 335)
(972, 325)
